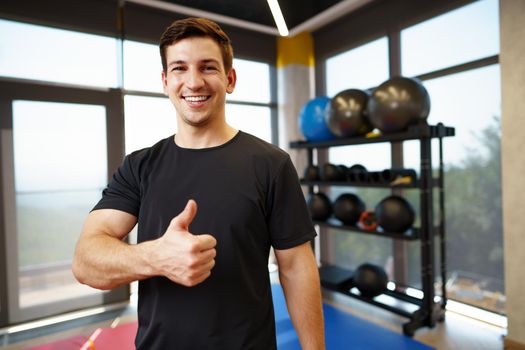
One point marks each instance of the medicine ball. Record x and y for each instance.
(357, 168)
(311, 173)
(371, 280)
(397, 103)
(344, 172)
(312, 121)
(395, 214)
(347, 113)
(319, 206)
(331, 172)
(357, 173)
(348, 208)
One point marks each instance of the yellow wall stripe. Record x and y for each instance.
(295, 50)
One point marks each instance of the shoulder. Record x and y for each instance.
(257, 146)
(265, 156)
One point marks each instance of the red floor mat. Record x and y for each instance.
(121, 337)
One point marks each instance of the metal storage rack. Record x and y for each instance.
(425, 311)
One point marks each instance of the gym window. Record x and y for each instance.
(48, 54)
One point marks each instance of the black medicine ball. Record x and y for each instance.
(395, 214)
(311, 173)
(371, 280)
(331, 172)
(348, 208)
(319, 206)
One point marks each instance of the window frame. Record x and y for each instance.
(14, 89)
(363, 29)
(248, 45)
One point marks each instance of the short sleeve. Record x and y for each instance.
(123, 191)
(290, 223)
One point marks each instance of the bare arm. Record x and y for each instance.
(103, 260)
(300, 282)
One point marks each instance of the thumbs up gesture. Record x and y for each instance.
(181, 256)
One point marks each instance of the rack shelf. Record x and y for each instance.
(424, 311)
(416, 132)
(339, 280)
(354, 184)
(415, 185)
(410, 235)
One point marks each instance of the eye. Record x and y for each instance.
(210, 68)
(177, 68)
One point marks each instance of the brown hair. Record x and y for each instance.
(196, 27)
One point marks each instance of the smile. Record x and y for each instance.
(196, 98)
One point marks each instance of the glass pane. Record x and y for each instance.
(253, 81)
(354, 250)
(60, 170)
(374, 157)
(57, 55)
(147, 121)
(142, 67)
(361, 68)
(459, 36)
(470, 102)
(251, 119)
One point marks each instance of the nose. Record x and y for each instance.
(194, 79)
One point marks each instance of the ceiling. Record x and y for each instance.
(300, 15)
(257, 11)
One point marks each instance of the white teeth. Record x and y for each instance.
(196, 98)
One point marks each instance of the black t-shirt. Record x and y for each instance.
(248, 198)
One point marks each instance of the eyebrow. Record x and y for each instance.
(208, 60)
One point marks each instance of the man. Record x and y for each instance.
(209, 202)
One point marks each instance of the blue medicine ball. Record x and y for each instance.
(312, 120)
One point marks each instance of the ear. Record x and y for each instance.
(232, 80)
(164, 83)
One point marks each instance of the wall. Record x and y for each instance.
(512, 41)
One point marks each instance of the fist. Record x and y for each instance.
(181, 256)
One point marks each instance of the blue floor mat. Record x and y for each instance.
(342, 331)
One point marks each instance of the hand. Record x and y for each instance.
(179, 255)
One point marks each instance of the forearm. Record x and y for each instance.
(105, 262)
(301, 287)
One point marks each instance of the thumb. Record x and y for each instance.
(182, 221)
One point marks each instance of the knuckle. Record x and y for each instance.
(187, 280)
(192, 262)
(189, 283)
(194, 247)
(192, 275)
(193, 281)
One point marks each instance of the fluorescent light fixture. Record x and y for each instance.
(278, 17)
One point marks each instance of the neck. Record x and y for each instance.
(197, 137)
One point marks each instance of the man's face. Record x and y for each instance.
(196, 81)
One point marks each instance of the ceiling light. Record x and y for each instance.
(278, 17)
